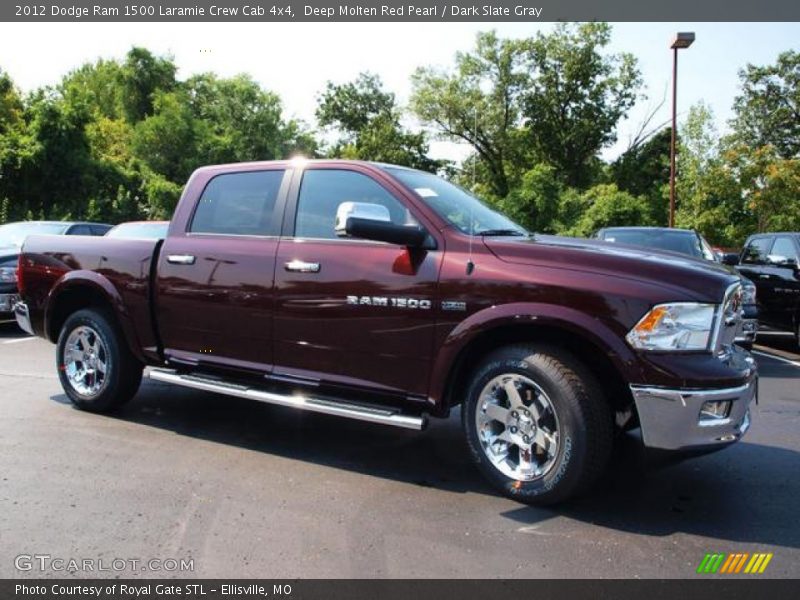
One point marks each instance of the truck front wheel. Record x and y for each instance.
(95, 366)
(537, 423)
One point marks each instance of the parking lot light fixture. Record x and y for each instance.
(680, 41)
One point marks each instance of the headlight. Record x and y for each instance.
(678, 326)
(8, 274)
(748, 293)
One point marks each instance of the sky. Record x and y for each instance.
(296, 59)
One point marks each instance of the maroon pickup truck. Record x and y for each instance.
(389, 295)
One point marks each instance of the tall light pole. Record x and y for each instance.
(681, 40)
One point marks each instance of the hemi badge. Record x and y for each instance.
(454, 305)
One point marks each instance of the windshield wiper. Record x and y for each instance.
(500, 232)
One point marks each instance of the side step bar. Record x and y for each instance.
(373, 414)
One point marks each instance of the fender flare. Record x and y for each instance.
(75, 280)
(594, 330)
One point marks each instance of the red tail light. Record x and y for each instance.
(20, 286)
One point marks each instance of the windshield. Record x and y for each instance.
(456, 205)
(682, 242)
(13, 235)
(705, 247)
(147, 231)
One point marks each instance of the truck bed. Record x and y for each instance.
(121, 270)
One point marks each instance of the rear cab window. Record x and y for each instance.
(784, 247)
(238, 204)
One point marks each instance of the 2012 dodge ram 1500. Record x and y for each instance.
(389, 295)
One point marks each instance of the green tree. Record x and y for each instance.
(767, 112)
(142, 76)
(643, 170)
(554, 98)
(605, 205)
(351, 106)
(99, 86)
(167, 140)
(17, 147)
(57, 176)
(478, 102)
(708, 196)
(769, 184)
(10, 103)
(535, 202)
(237, 120)
(576, 97)
(367, 120)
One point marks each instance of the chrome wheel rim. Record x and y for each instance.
(85, 361)
(517, 427)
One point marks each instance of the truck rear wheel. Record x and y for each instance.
(96, 368)
(537, 423)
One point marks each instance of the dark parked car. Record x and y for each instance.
(141, 230)
(12, 236)
(688, 243)
(771, 260)
(390, 295)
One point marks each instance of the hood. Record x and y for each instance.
(705, 281)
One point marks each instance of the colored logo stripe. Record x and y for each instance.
(719, 562)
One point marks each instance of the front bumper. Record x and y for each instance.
(671, 420)
(7, 302)
(23, 317)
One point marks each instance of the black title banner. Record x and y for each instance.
(219, 589)
(399, 10)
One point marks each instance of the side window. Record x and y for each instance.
(238, 203)
(784, 247)
(80, 230)
(99, 229)
(323, 190)
(756, 251)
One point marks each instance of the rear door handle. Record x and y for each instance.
(299, 266)
(181, 259)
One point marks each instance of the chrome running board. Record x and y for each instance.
(372, 414)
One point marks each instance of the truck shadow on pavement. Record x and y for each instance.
(746, 493)
(9, 330)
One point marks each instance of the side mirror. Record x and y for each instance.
(373, 222)
(730, 259)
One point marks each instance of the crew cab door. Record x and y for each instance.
(215, 279)
(784, 279)
(349, 311)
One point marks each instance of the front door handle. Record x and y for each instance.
(299, 266)
(181, 259)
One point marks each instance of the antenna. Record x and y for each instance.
(475, 160)
(470, 264)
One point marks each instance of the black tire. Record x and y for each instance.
(123, 372)
(582, 418)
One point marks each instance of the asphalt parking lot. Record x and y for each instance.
(250, 490)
